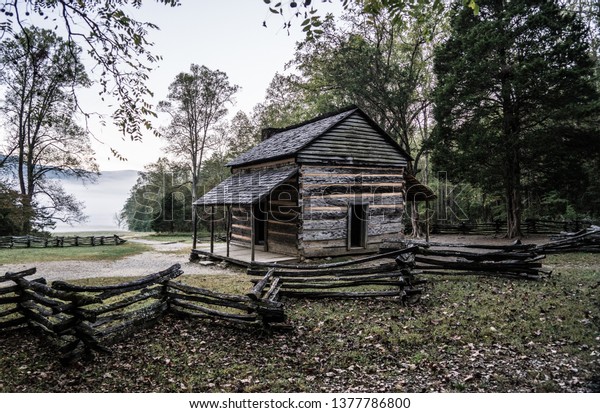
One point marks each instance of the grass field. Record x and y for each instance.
(175, 237)
(467, 334)
(84, 253)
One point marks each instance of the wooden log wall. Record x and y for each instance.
(282, 212)
(325, 195)
(241, 226)
(29, 241)
(78, 319)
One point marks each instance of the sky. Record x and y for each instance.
(227, 35)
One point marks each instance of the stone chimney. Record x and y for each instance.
(266, 133)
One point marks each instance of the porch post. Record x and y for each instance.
(195, 224)
(427, 221)
(253, 230)
(212, 229)
(227, 228)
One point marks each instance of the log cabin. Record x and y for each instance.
(333, 185)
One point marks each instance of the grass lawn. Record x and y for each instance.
(93, 233)
(172, 237)
(87, 253)
(467, 334)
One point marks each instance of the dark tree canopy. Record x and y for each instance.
(516, 104)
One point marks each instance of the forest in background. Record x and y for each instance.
(499, 108)
(497, 102)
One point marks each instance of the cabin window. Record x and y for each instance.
(357, 225)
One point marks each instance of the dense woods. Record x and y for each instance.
(517, 111)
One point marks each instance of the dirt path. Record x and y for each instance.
(163, 256)
(169, 253)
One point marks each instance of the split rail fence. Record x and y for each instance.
(359, 278)
(29, 241)
(398, 275)
(79, 319)
(530, 226)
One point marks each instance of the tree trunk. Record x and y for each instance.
(415, 221)
(194, 211)
(511, 131)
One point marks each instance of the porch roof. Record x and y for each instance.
(416, 191)
(246, 188)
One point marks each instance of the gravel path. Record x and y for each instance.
(167, 254)
(163, 256)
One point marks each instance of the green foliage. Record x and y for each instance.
(160, 200)
(11, 212)
(111, 37)
(286, 103)
(516, 105)
(14, 256)
(380, 63)
(312, 21)
(40, 74)
(243, 135)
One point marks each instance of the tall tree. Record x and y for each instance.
(160, 200)
(286, 103)
(40, 74)
(381, 61)
(197, 101)
(244, 134)
(382, 64)
(515, 99)
(111, 36)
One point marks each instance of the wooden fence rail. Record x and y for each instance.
(29, 241)
(345, 280)
(82, 319)
(78, 319)
(530, 226)
(351, 279)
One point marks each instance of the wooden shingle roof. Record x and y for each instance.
(246, 188)
(290, 140)
(416, 191)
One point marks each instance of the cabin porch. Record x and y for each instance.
(238, 254)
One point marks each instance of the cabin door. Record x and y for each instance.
(358, 219)
(260, 223)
